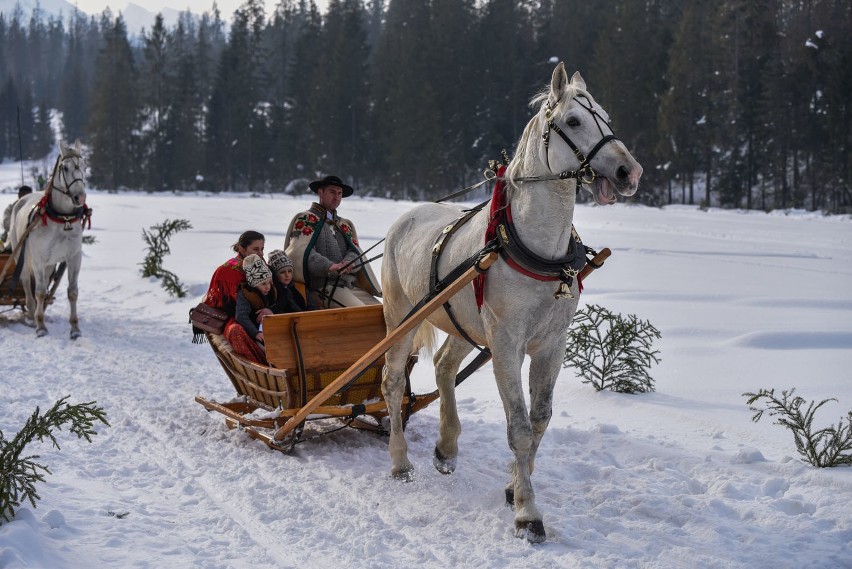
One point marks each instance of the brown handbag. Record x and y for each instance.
(208, 319)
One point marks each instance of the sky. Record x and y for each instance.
(680, 477)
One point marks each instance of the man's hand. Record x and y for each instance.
(341, 268)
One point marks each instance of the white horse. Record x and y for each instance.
(520, 315)
(50, 225)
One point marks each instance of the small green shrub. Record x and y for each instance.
(19, 475)
(158, 247)
(822, 448)
(612, 352)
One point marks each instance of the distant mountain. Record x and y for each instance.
(135, 16)
(138, 17)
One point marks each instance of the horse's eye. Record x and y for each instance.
(572, 122)
(65, 168)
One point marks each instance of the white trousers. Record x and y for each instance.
(346, 297)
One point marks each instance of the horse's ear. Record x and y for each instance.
(78, 147)
(62, 148)
(559, 81)
(577, 81)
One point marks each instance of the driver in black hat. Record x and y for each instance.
(325, 252)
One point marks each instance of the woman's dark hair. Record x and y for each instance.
(246, 239)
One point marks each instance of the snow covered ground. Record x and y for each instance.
(677, 478)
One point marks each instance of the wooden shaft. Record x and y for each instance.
(392, 338)
(598, 260)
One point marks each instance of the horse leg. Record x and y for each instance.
(73, 273)
(447, 361)
(507, 371)
(393, 390)
(544, 369)
(41, 277)
(27, 281)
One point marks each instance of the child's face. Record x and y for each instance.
(265, 286)
(285, 276)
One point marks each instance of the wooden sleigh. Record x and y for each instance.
(12, 293)
(322, 364)
(308, 351)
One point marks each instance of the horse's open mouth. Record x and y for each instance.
(603, 192)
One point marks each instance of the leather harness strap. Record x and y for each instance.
(437, 249)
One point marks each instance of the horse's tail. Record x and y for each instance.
(425, 339)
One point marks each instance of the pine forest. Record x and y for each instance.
(733, 103)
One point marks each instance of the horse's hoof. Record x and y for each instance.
(510, 497)
(75, 334)
(443, 464)
(532, 530)
(404, 474)
(41, 332)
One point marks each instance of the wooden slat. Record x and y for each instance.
(330, 339)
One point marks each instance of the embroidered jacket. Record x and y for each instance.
(314, 243)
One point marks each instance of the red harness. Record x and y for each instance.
(500, 212)
(46, 211)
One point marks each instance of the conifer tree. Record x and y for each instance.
(683, 120)
(405, 109)
(114, 118)
(156, 98)
(339, 103)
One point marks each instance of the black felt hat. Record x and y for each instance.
(331, 181)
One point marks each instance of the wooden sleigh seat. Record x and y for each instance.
(10, 296)
(307, 351)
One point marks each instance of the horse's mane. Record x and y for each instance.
(71, 152)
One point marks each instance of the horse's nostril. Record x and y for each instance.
(622, 173)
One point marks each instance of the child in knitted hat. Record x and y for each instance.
(256, 296)
(289, 297)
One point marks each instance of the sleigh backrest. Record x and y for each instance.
(329, 342)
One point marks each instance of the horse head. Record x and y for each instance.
(585, 147)
(69, 176)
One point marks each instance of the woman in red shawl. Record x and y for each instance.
(222, 293)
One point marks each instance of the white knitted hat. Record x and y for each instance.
(256, 270)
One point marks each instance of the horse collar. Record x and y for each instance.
(526, 262)
(45, 209)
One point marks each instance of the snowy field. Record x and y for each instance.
(679, 478)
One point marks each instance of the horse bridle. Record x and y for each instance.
(585, 174)
(63, 175)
